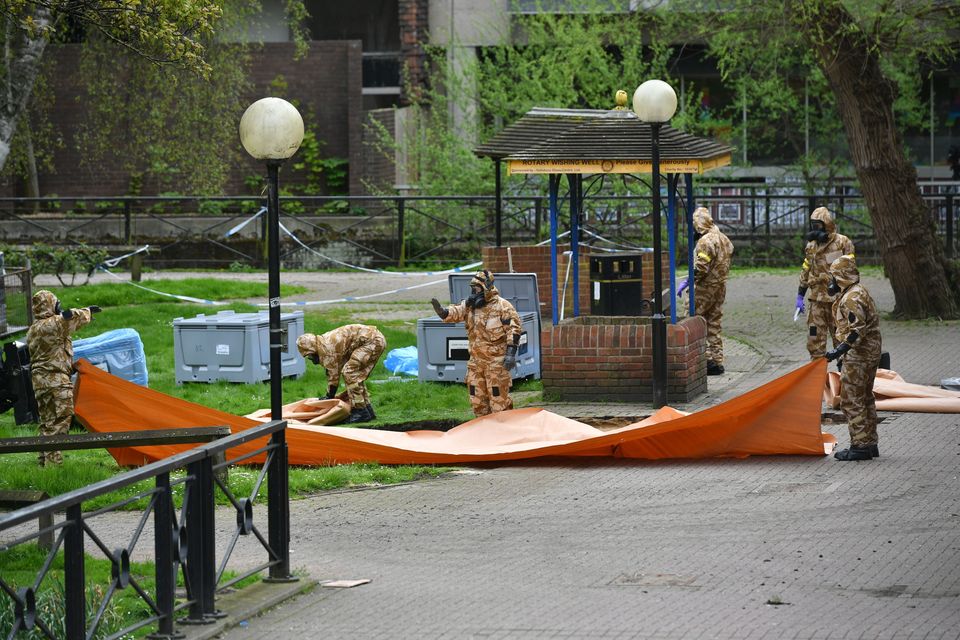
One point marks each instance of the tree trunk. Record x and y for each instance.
(23, 64)
(906, 234)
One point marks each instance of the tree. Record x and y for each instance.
(871, 54)
(162, 32)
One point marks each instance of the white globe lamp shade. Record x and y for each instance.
(271, 129)
(655, 101)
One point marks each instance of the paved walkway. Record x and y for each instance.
(766, 547)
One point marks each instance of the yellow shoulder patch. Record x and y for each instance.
(704, 256)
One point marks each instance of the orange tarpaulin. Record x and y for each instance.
(893, 393)
(780, 417)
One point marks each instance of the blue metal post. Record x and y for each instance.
(691, 245)
(554, 187)
(672, 180)
(576, 193)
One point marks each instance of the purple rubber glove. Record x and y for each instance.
(683, 286)
(800, 306)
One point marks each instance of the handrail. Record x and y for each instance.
(60, 503)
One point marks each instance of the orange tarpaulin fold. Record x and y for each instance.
(780, 417)
(893, 393)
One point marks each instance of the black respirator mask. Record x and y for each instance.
(476, 299)
(818, 233)
(833, 288)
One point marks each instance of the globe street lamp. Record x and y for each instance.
(271, 129)
(655, 102)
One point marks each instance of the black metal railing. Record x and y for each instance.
(394, 231)
(184, 541)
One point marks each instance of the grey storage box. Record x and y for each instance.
(234, 347)
(442, 352)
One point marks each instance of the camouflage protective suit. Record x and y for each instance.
(858, 326)
(350, 351)
(51, 365)
(713, 254)
(491, 326)
(815, 277)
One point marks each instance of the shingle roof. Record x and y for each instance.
(590, 134)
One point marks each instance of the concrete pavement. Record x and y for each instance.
(766, 547)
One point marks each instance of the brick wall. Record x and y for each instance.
(611, 358)
(414, 21)
(536, 259)
(326, 83)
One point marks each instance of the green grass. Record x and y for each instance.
(875, 271)
(124, 293)
(20, 566)
(396, 401)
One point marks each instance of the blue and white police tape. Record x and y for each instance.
(466, 267)
(112, 262)
(460, 269)
(311, 303)
(161, 293)
(245, 222)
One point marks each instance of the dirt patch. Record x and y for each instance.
(419, 425)
(606, 423)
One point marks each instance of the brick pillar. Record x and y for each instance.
(414, 20)
(536, 259)
(610, 358)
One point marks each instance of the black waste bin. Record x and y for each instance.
(16, 386)
(617, 285)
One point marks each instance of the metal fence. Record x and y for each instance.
(184, 542)
(16, 307)
(766, 224)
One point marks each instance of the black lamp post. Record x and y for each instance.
(655, 102)
(271, 130)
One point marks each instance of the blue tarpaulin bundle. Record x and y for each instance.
(402, 360)
(119, 352)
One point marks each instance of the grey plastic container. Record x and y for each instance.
(442, 347)
(234, 347)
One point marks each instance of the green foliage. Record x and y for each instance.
(241, 267)
(325, 176)
(176, 130)
(66, 263)
(112, 295)
(20, 566)
(774, 81)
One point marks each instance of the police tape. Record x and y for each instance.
(459, 269)
(311, 303)
(161, 293)
(112, 262)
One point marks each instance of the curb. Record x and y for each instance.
(247, 603)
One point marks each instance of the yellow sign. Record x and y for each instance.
(614, 166)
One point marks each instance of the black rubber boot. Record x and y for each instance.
(874, 450)
(854, 453)
(714, 369)
(358, 414)
(370, 414)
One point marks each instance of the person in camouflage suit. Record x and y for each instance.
(351, 351)
(51, 364)
(713, 252)
(859, 344)
(493, 337)
(823, 247)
